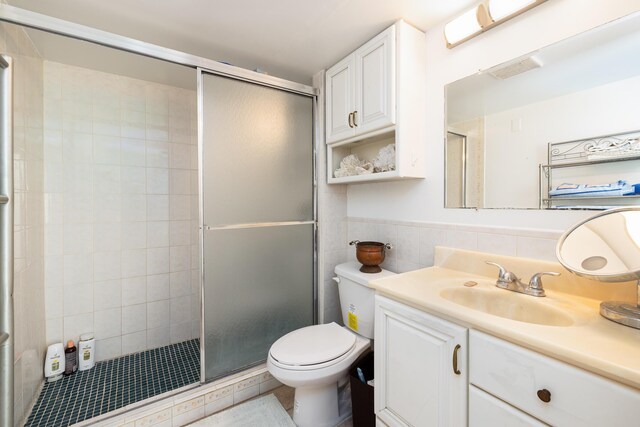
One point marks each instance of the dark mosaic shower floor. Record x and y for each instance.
(116, 383)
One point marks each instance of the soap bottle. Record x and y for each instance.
(86, 352)
(54, 362)
(70, 358)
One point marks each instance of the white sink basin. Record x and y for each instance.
(507, 304)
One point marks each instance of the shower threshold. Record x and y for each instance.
(116, 383)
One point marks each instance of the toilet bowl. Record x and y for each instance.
(315, 360)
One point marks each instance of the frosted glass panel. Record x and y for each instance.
(257, 153)
(258, 287)
(257, 169)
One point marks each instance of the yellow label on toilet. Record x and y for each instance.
(353, 321)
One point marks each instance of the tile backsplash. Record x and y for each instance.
(414, 242)
(120, 174)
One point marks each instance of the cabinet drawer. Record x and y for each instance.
(577, 397)
(485, 410)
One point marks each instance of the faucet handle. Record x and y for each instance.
(502, 271)
(503, 274)
(505, 277)
(535, 284)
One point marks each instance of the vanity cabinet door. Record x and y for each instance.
(375, 83)
(415, 381)
(340, 92)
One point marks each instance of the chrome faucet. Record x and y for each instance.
(509, 281)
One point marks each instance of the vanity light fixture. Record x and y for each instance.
(483, 17)
(464, 26)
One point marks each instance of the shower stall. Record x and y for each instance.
(164, 202)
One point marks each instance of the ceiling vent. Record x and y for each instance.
(505, 71)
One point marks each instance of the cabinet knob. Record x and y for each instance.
(544, 395)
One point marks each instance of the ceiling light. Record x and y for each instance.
(500, 9)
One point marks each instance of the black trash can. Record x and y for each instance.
(362, 393)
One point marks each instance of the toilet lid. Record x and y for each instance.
(313, 345)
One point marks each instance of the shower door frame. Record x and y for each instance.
(7, 339)
(463, 174)
(203, 227)
(29, 19)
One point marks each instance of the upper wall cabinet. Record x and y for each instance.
(360, 90)
(375, 100)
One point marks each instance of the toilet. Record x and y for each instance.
(315, 360)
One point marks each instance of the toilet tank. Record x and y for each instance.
(357, 298)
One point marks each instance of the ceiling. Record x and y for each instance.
(292, 39)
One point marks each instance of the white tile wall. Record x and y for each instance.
(119, 229)
(29, 143)
(414, 242)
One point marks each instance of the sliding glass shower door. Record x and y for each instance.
(258, 219)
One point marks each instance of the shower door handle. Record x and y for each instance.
(4, 199)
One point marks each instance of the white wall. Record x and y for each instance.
(422, 200)
(602, 110)
(120, 164)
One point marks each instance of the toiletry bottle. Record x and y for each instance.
(86, 352)
(54, 362)
(70, 358)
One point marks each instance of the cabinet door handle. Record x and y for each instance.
(455, 360)
(355, 114)
(350, 120)
(544, 395)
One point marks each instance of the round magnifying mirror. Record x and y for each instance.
(606, 247)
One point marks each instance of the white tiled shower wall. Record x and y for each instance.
(29, 338)
(120, 184)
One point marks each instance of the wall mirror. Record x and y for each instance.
(556, 129)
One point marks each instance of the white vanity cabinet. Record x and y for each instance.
(376, 96)
(420, 368)
(549, 390)
(432, 372)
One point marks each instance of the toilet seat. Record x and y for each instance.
(313, 347)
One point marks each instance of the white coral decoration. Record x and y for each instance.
(352, 165)
(386, 160)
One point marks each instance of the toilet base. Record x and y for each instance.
(316, 406)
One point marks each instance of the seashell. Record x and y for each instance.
(386, 159)
(351, 165)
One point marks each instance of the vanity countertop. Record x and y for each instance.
(591, 342)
